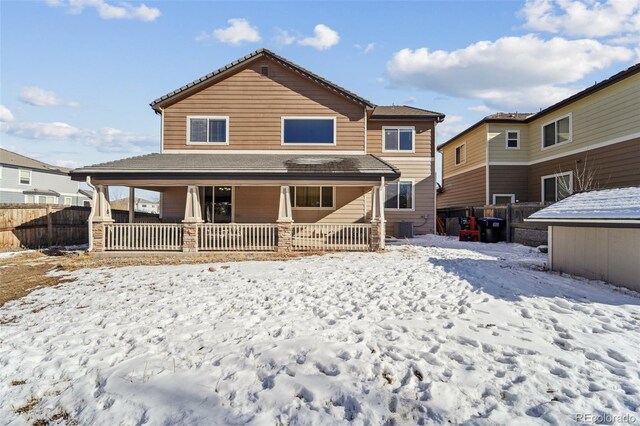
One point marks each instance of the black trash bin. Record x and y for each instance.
(491, 229)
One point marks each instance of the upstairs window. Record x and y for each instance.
(513, 139)
(399, 196)
(557, 187)
(556, 132)
(461, 154)
(309, 130)
(24, 177)
(315, 197)
(205, 130)
(398, 139)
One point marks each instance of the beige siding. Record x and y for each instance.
(255, 105)
(256, 204)
(476, 143)
(610, 113)
(608, 254)
(463, 190)
(424, 140)
(350, 208)
(497, 137)
(174, 200)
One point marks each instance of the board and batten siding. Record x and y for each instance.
(608, 114)
(255, 105)
(599, 253)
(424, 138)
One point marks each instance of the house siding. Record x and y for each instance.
(11, 191)
(255, 105)
(509, 180)
(463, 190)
(497, 142)
(476, 144)
(424, 139)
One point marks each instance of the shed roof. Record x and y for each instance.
(245, 165)
(598, 206)
(10, 158)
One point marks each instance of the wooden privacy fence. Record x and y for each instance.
(316, 236)
(44, 225)
(514, 214)
(237, 237)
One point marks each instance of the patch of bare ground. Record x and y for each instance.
(23, 273)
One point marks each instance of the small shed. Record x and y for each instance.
(596, 235)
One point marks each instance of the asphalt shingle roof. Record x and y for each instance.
(404, 111)
(254, 164)
(10, 158)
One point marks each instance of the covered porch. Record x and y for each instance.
(335, 210)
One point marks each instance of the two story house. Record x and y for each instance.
(26, 180)
(263, 154)
(587, 141)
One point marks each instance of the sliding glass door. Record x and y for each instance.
(217, 204)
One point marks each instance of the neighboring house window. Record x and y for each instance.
(67, 201)
(313, 197)
(29, 199)
(86, 203)
(25, 177)
(398, 139)
(46, 199)
(556, 132)
(504, 198)
(513, 139)
(399, 195)
(557, 187)
(306, 130)
(207, 130)
(144, 206)
(461, 154)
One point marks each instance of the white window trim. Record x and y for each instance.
(333, 207)
(64, 201)
(30, 177)
(555, 175)
(465, 154)
(513, 197)
(208, 117)
(335, 131)
(506, 138)
(413, 138)
(26, 199)
(555, 120)
(413, 196)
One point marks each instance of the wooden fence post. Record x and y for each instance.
(508, 219)
(49, 226)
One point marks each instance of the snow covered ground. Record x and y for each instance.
(435, 332)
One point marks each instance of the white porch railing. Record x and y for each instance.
(316, 236)
(143, 236)
(237, 237)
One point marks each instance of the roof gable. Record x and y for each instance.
(9, 158)
(235, 66)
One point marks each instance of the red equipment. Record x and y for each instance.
(469, 231)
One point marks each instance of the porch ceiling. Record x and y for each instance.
(365, 167)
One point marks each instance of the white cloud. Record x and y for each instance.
(510, 73)
(366, 48)
(324, 38)
(106, 10)
(451, 126)
(106, 139)
(238, 31)
(284, 38)
(583, 18)
(5, 114)
(410, 100)
(40, 97)
(480, 108)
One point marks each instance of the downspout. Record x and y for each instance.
(90, 220)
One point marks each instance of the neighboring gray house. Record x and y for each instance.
(25, 180)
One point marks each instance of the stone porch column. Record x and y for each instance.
(285, 221)
(192, 217)
(101, 215)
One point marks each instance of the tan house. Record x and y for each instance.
(591, 139)
(262, 154)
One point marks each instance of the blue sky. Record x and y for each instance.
(77, 76)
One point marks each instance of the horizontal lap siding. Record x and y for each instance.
(463, 190)
(476, 143)
(174, 200)
(509, 180)
(423, 143)
(256, 204)
(350, 208)
(255, 105)
(615, 166)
